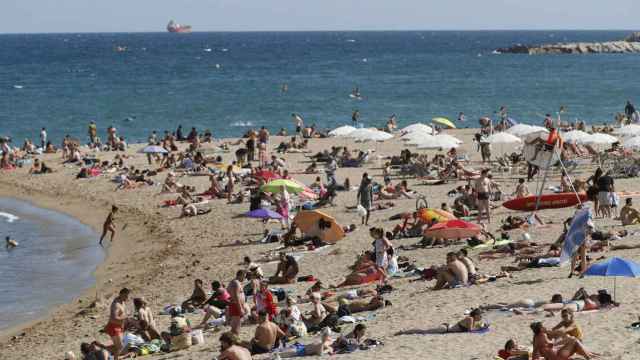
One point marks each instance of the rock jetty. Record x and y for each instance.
(631, 44)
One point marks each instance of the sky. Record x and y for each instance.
(42, 16)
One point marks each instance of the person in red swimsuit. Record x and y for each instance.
(236, 309)
(117, 321)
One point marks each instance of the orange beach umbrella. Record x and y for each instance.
(308, 222)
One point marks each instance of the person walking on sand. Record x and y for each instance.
(117, 321)
(483, 189)
(365, 197)
(236, 309)
(109, 224)
(43, 138)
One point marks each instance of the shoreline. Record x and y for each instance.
(47, 202)
(79, 209)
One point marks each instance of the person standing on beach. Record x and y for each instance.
(251, 146)
(365, 196)
(236, 309)
(43, 138)
(93, 132)
(117, 321)
(263, 136)
(109, 224)
(629, 110)
(483, 190)
(299, 123)
(355, 117)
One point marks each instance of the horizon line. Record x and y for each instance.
(307, 31)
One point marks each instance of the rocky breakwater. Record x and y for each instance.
(631, 44)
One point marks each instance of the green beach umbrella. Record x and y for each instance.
(444, 122)
(275, 186)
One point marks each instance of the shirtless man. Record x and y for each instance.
(317, 315)
(266, 336)
(117, 318)
(453, 274)
(629, 215)
(483, 189)
(109, 224)
(230, 350)
(236, 309)
(468, 263)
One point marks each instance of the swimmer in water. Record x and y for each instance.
(285, 88)
(11, 243)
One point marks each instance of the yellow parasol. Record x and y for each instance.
(444, 122)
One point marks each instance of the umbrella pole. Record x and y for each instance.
(614, 288)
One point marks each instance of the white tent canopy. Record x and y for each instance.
(342, 131)
(449, 138)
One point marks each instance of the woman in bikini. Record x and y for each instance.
(473, 322)
(544, 348)
(109, 224)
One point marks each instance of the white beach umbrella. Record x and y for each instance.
(632, 143)
(422, 139)
(503, 138)
(574, 136)
(342, 131)
(503, 142)
(417, 127)
(370, 135)
(599, 139)
(439, 142)
(520, 130)
(449, 138)
(153, 149)
(415, 135)
(628, 131)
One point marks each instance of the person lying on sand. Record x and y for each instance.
(189, 210)
(512, 351)
(368, 275)
(473, 322)
(323, 347)
(543, 347)
(351, 341)
(358, 306)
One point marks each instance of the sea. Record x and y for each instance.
(230, 82)
(53, 263)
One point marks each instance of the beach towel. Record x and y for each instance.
(490, 245)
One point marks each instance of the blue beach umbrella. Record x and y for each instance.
(263, 214)
(614, 267)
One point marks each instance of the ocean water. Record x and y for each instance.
(228, 82)
(53, 263)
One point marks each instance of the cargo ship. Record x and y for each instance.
(174, 27)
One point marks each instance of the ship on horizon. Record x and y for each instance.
(174, 27)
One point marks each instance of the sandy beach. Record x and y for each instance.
(158, 255)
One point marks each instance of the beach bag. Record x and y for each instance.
(197, 337)
(362, 212)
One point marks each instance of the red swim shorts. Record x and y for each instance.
(233, 310)
(113, 329)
